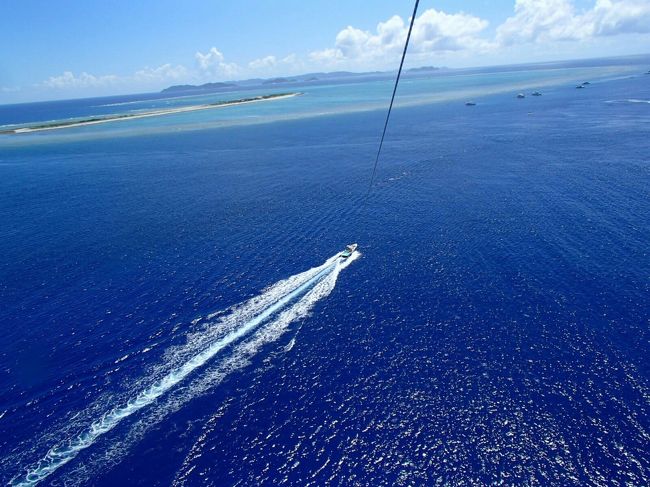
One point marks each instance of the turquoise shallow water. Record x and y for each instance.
(171, 312)
(320, 100)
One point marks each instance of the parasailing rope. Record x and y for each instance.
(390, 107)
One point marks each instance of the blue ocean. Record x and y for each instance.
(174, 310)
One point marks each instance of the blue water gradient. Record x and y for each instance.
(494, 329)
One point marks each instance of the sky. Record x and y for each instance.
(81, 48)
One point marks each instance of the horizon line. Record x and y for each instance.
(358, 73)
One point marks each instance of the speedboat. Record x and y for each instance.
(470, 104)
(536, 93)
(348, 250)
(521, 95)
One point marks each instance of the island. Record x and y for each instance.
(207, 87)
(152, 113)
(276, 81)
(423, 69)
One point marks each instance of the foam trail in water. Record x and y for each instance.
(302, 284)
(237, 358)
(268, 333)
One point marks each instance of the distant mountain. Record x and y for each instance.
(277, 81)
(347, 77)
(423, 69)
(204, 88)
(337, 77)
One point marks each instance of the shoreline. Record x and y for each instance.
(153, 113)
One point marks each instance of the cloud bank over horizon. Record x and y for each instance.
(438, 36)
(558, 20)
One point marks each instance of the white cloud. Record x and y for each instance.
(326, 56)
(146, 76)
(440, 35)
(212, 63)
(434, 32)
(291, 59)
(161, 73)
(621, 17)
(437, 35)
(84, 80)
(263, 63)
(209, 65)
(271, 64)
(437, 31)
(558, 20)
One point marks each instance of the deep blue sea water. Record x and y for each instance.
(494, 329)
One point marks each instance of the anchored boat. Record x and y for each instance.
(348, 250)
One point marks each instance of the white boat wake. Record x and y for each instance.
(268, 314)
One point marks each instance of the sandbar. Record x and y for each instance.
(153, 113)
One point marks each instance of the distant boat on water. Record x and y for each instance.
(470, 104)
(521, 95)
(536, 93)
(580, 87)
